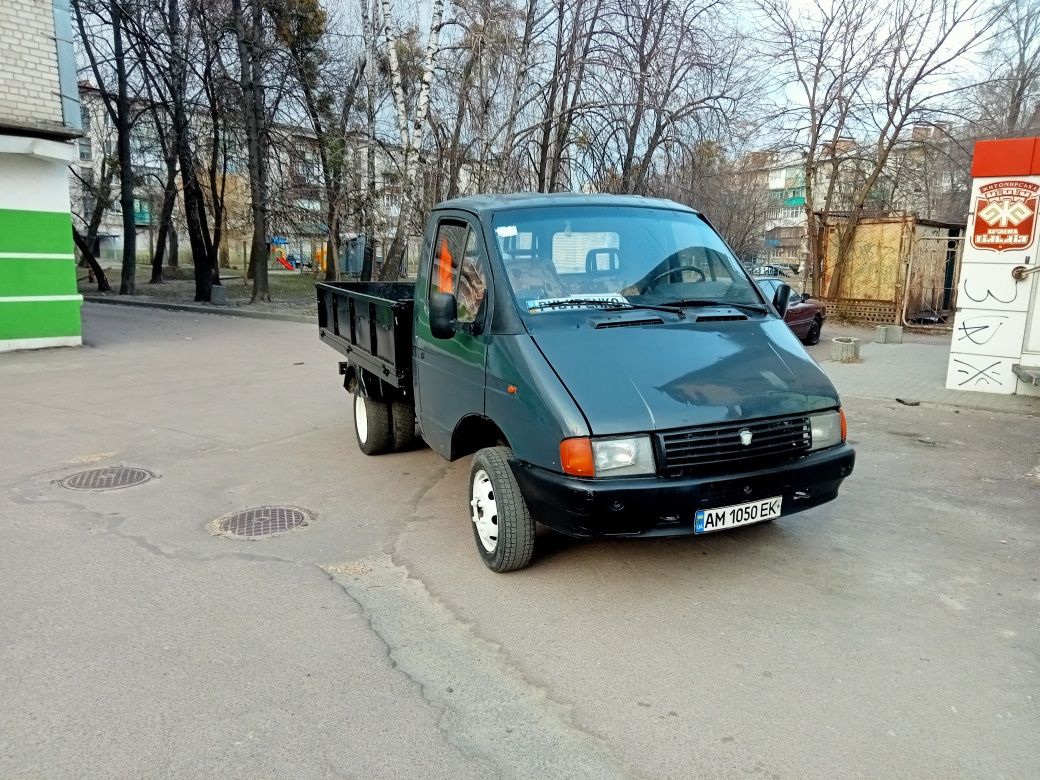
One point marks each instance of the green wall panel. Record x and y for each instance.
(36, 277)
(39, 319)
(35, 232)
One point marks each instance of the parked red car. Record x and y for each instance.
(804, 316)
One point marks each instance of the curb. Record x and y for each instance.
(1027, 410)
(197, 308)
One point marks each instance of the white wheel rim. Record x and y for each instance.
(484, 510)
(361, 418)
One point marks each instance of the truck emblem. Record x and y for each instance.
(745, 437)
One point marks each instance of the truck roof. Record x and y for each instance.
(481, 204)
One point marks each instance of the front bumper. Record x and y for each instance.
(663, 506)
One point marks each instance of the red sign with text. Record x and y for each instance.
(1005, 215)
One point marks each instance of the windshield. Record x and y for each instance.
(616, 254)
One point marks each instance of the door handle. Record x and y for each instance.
(1020, 272)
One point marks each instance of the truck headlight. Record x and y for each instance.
(623, 457)
(828, 429)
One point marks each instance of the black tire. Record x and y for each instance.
(813, 336)
(403, 419)
(514, 545)
(378, 435)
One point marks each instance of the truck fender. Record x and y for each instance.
(355, 379)
(474, 432)
(350, 376)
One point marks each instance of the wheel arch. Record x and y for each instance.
(350, 376)
(473, 433)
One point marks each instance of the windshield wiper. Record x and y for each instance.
(700, 302)
(606, 304)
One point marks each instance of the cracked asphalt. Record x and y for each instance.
(891, 633)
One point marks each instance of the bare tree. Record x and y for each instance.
(675, 76)
(249, 33)
(411, 125)
(1007, 102)
(99, 193)
(329, 96)
(922, 42)
(729, 191)
(827, 52)
(106, 48)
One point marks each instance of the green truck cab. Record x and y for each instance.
(606, 360)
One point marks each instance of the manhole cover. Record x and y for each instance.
(108, 478)
(263, 521)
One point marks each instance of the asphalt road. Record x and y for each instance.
(893, 632)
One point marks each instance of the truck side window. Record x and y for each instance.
(472, 287)
(447, 256)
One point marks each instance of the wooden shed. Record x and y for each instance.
(899, 267)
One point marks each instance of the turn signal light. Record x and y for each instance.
(576, 457)
(844, 425)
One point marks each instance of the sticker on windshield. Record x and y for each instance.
(505, 231)
(574, 301)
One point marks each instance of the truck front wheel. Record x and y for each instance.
(372, 425)
(502, 525)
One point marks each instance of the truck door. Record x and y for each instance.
(450, 372)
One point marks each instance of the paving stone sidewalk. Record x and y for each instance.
(911, 371)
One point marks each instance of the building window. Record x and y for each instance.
(86, 152)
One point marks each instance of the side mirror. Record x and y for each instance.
(782, 299)
(443, 311)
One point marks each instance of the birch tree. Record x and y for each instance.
(411, 126)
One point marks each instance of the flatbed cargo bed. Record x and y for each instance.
(370, 323)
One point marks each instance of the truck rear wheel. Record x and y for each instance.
(372, 425)
(404, 425)
(502, 525)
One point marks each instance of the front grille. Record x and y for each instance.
(697, 449)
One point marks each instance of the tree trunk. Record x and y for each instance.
(454, 153)
(411, 141)
(165, 219)
(194, 204)
(394, 257)
(253, 112)
(518, 87)
(544, 145)
(127, 282)
(369, 220)
(174, 259)
(87, 253)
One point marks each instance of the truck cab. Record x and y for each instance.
(608, 363)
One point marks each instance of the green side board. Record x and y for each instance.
(35, 232)
(20, 277)
(39, 319)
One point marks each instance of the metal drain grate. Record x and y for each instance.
(263, 521)
(108, 478)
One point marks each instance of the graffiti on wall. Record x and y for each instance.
(978, 372)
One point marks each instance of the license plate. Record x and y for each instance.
(724, 517)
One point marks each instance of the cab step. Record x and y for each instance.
(1030, 374)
